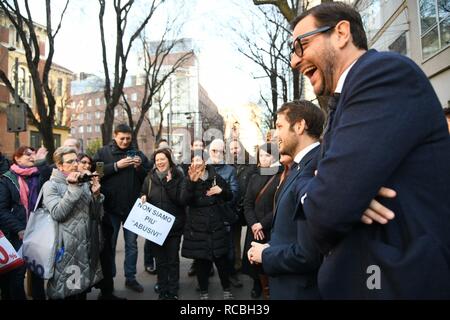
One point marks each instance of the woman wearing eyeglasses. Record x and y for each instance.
(19, 189)
(84, 163)
(77, 207)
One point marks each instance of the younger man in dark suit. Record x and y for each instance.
(291, 258)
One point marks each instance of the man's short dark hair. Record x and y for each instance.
(124, 128)
(330, 13)
(447, 112)
(298, 110)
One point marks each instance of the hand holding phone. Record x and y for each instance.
(99, 169)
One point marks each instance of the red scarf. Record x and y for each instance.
(23, 186)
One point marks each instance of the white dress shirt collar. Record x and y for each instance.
(342, 78)
(303, 153)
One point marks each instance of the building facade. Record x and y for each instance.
(419, 29)
(12, 53)
(181, 106)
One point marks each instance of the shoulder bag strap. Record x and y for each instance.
(264, 188)
(41, 192)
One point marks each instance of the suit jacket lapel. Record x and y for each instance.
(292, 175)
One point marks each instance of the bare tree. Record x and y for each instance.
(113, 89)
(162, 59)
(44, 119)
(290, 9)
(156, 128)
(269, 50)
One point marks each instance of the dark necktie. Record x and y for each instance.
(287, 170)
(332, 103)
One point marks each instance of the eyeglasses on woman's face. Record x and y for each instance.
(71, 161)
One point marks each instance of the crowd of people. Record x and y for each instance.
(206, 195)
(350, 206)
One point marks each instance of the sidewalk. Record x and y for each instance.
(187, 284)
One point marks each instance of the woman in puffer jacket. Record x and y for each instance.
(205, 237)
(77, 207)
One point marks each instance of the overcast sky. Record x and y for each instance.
(225, 73)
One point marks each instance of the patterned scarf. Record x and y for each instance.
(28, 179)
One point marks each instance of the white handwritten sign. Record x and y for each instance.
(149, 221)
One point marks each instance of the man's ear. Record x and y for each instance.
(300, 126)
(343, 32)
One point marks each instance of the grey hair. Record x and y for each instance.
(60, 152)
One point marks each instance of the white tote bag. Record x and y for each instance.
(39, 242)
(9, 257)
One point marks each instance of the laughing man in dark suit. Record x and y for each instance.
(387, 129)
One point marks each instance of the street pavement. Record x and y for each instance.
(187, 284)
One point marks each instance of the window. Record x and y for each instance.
(22, 85)
(88, 128)
(88, 116)
(36, 140)
(97, 101)
(134, 96)
(12, 36)
(80, 117)
(97, 114)
(59, 87)
(97, 128)
(81, 129)
(399, 44)
(382, 29)
(89, 103)
(434, 25)
(30, 87)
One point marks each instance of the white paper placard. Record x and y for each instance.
(149, 221)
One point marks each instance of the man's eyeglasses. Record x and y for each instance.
(297, 46)
(71, 161)
(217, 151)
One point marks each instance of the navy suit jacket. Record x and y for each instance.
(389, 130)
(292, 260)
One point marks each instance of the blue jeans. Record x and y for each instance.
(131, 248)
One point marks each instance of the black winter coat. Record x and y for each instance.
(243, 174)
(167, 196)
(261, 211)
(121, 188)
(4, 164)
(13, 217)
(205, 235)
